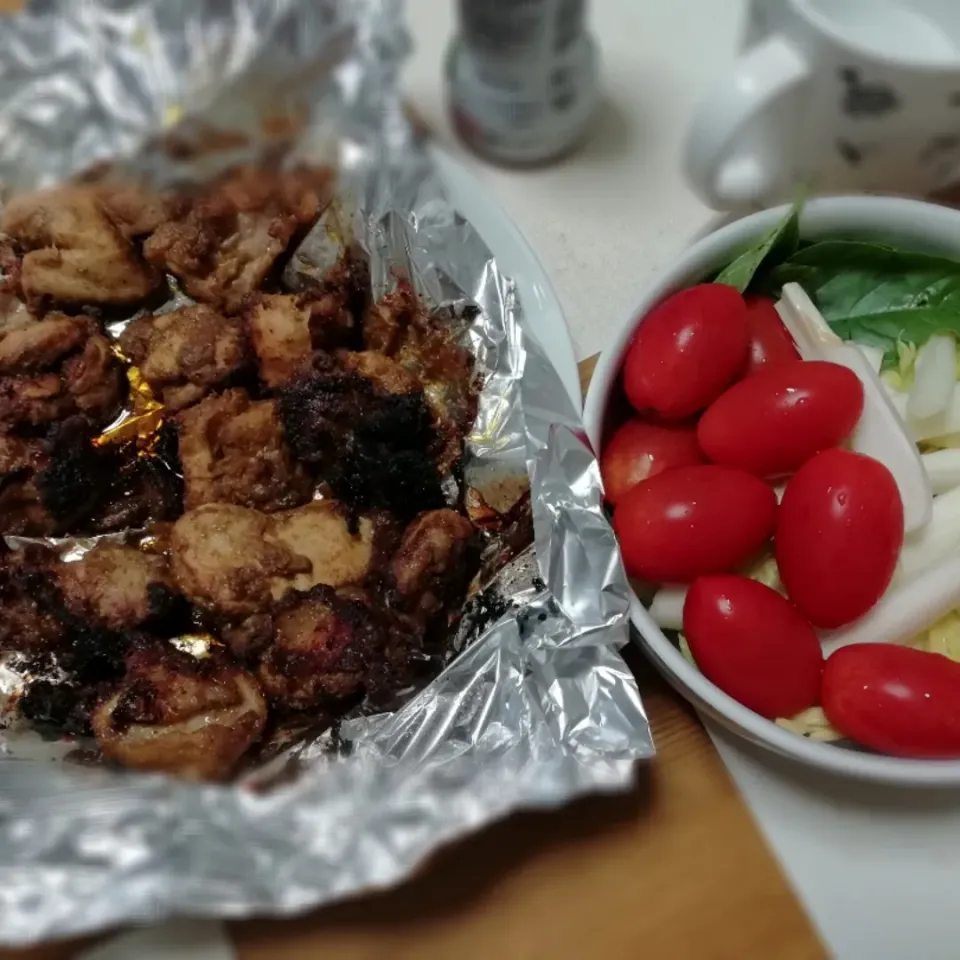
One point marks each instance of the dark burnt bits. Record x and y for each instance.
(90, 488)
(71, 485)
(375, 450)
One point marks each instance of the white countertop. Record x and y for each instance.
(876, 869)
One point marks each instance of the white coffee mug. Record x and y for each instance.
(837, 95)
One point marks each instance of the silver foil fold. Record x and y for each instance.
(538, 708)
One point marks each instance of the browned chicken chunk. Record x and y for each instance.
(287, 328)
(177, 714)
(225, 561)
(234, 561)
(55, 367)
(227, 239)
(22, 511)
(28, 622)
(428, 568)
(116, 586)
(327, 646)
(184, 353)
(33, 345)
(338, 552)
(233, 451)
(75, 253)
(399, 327)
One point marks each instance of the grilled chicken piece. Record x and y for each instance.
(287, 328)
(428, 570)
(399, 326)
(174, 713)
(235, 561)
(75, 253)
(329, 645)
(280, 332)
(233, 451)
(116, 586)
(29, 623)
(339, 553)
(225, 242)
(367, 430)
(225, 561)
(184, 353)
(52, 368)
(31, 345)
(133, 210)
(22, 510)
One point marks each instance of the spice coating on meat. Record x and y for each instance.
(226, 241)
(115, 586)
(174, 713)
(75, 253)
(184, 353)
(233, 451)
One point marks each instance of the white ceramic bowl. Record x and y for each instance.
(910, 223)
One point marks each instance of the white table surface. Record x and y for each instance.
(877, 870)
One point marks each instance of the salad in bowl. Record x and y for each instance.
(779, 435)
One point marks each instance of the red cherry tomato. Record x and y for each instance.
(691, 521)
(774, 421)
(770, 342)
(687, 350)
(753, 645)
(839, 533)
(894, 699)
(640, 450)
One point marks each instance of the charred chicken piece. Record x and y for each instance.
(429, 569)
(117, 586)
(22, 511)
(184, 353)
(174, 713)
(29, 623)
(287, 328)
(76, 254)
(399, 326)
(233, 451)
(328, 647)
(224, 242)
(373, 445)
(55, 367)
(91, 488)
(225, 561)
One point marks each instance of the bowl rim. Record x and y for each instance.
(926, 225)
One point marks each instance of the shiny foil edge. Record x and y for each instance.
(539, 709)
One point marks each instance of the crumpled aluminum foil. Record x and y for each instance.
(537, 709)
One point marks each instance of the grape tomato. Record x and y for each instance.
(639, 450)
(770, 343)
(693, 520)
(772, 422)
(687, 350)
(838, 536)
(894, 699)
(753, 644)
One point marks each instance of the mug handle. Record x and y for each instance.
(760, 77)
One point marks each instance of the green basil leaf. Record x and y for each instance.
(782, 241)
(876, 294)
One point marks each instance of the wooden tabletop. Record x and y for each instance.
(673, 870)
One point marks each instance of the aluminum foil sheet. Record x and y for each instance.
(537, 708)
